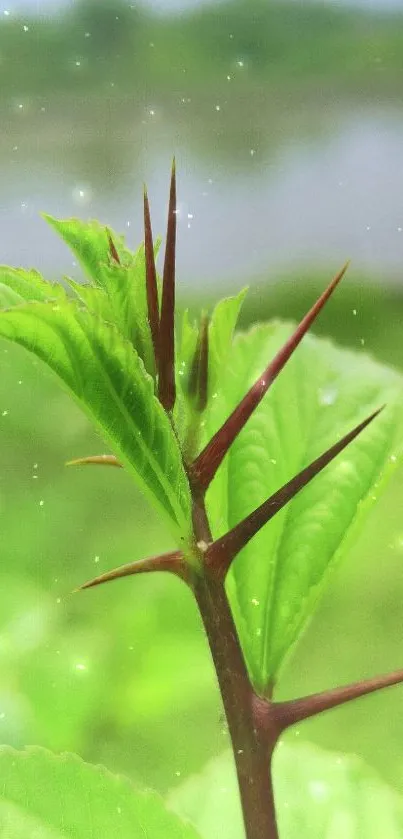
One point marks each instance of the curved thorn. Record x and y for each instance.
(221, 553)
(173, 562)
(112, 249)
(151, 280)
(166, 382)
(206, 464)
(296, 710)
(97, 459)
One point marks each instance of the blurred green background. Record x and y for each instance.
(286, 121)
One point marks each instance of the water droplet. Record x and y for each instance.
(178, 773)
(255, 601)
(35, 466)
(25, 28)
(354, 311)
(362, 341)
(218, 107)
(58, 599)
(240, 64)
(4, 413)
(118, 810)
(80, 666)
(41, 503)
(393, 458)
(96, 559)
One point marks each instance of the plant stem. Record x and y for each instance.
(252, 744)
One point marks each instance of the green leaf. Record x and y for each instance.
(18, 286)
(221, 332)
(107, 378)
(59, 796)
(276, 581)
(90, 244)
(319, 795)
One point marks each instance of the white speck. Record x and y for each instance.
(20, 381)
(354, 311)
(78, 63)
(79, 666)
(118, 810)
(6, 13)
(25, 28)
(4, 413)
(96, 559)
(229, 78)
(218, 107)
(327, 396)
(151, 112)
(58, 599)
(41, 503)
(319, 790)
(87, 35)
(399, 229)
(240, 64)
(15, 148)
(20, 106)
(258, 632)
(35, 466)
(255, 602)
(252, 152)
(82, 194)
(151, 44)
(393, 458)
(190, 215)
(35, 476)
(240, 751)
(273, 460)
(362, 341)
(2, 715)
(368, 227)
(178, 774)
(214, 396)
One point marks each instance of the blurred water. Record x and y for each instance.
(263, 187)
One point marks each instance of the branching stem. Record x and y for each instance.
(252, 745)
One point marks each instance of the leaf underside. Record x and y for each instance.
(323, 392)
(46, 796)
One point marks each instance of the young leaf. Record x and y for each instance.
(276, 581)
(89, 241)
(120, 285)
(319, 795)
(56, 796)
(105, 375)
(19, 286)
(221, 332)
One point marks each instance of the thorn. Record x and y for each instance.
(297, 710)
(173, 562)
(206, 464)
(112, 249)
(222, 552)
(166, 383)
(151, 279)
(97, 459)
(198, 378)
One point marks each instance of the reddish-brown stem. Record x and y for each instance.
(252, 754)
(206, 464)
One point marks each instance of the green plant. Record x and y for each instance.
(190, 421)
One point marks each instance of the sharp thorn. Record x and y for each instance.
(206, 464)
(173, 562)
(166, 383)
(97, 460)
(151, 281)
(296, 710)
(222, 552)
